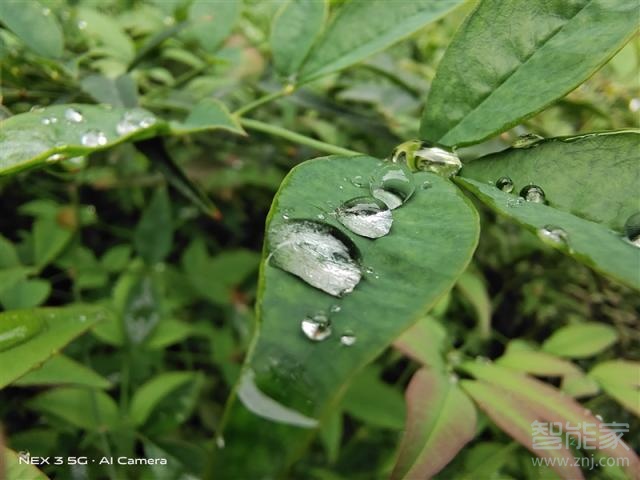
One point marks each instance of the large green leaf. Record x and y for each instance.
(511, 59)
(56, 328)
(62, 370)
(35, 25)
(441, 419)
(592, 176)
(406, 272)
(293, 32)
(212, 22)
(581, 340)
(364, 27)
(588, 242)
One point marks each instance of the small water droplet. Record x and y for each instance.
(286, 213)
(369, 270)
(133, 120)
(82, 24)
(393, 184)
(16, 329)
(316, 252)
(316, 327)
(554, 236)
(46, 11)
(348, 339)
(73, 115)
(94, 138)
(220, 443)
(55, 157)
(49, 120)
(527, 141)
(366, 216)
(432, 158)
(634, 104)
(505, 184)
(426, 185)
(515, 202)
(358, 181)
(533, 193)
(335, 308)
(340, 187)
(599, 417)
(632, 230)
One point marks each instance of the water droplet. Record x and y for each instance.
(632, 229)
(169, 20)
(515, 202)
(533, 193)
(358, 181)
(49, 120)
(348, 339)
(527, 141)
(46, 11)
(554, 236)
(453, 378)
(335, 308)
(316, 327)
(93, 138)
(505, 184)
(634, 104)
(431, 158)
(133, 120)
(320, 216)
(393, 184)
(16, 329)
(220, 443)
(426, 185)
(55, 157)
(318, 253)
(369, 270)
(365, 216)
(286, 213)
(73, 115)
(82, 24)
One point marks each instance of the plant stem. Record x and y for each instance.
(296, 137)
(262, 100)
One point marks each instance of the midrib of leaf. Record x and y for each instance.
(517, 68)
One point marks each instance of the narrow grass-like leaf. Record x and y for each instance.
(581, 340)
(511, 59)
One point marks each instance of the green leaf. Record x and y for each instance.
(49, 239)
(588, 242)
(441, 420)
(142, 309)
(581, 340)
(537, 363)
(509, 60)
(62, 370)
(293, 32)
(10, 276)
(8, 254)
(25, 294)
(515, 417)
(119, 92)
(153, 237)
(208, 114)
(60, 327)
(572, 173)
(472, 286)
(212, 22)
(31, 139)
(149, 395)
(16, 470)
(424, 342)
(621, 380)
(35, 25)
(308, 377)
(88, 409)
(105, 32)
(364, 27)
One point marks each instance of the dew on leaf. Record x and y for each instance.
(93, 138)
(527, 141)
(435, 159)
(335, 308)
(73, 115)
(426, 185)
(317, 253)
(632, 229)
(134, 120)
(393, 184)
(316, 327)
(505, 184)
(358, 181)
(533, 193)
(348, 339)
(49, 120)
(365, 216)
(15, 330)
(553, 235)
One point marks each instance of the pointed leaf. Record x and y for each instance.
(211, 22)
(537, 363)
(472, 286)
(62, 370)
(35, 25)
(208, 114)
(424, 342)
(509, 60)
(581, 340)
(571, 171)
(441, 420)
(153, 237)
(588, 242)
(621, 380)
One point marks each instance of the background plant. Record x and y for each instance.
(144, 222)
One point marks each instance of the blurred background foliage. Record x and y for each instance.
(80, 230)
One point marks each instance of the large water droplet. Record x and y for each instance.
(365, 216)
(632, 229)
(553, 235)
(527, 141)
(505, 184)
(533, 193)
(94, 138)
(431, 158)
(73, 115)
(15, 329)
(133, 120)
(348, 338)
(316, 327)
(318, 253)
(393, 184)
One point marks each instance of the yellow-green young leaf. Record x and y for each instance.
(364, 27)
(212, 21)
(553, 406)
(52, 328)
(472, 286)
(424, 342)
(207, 114)
(293, 32)
(441, 419)
(589, 158)
(588, 242)
(35, 24)
(308, 377)
(537, 363)
(84, 408)
(514, 415)
(529, 59)
(621, 380)
(581, 340)
(17, 470)
(62, 370)
(579, 385)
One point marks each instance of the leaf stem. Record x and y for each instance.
(296, 137)
(262, 100)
